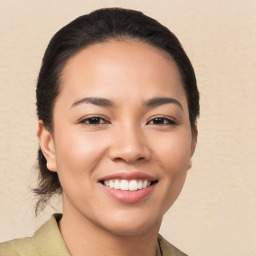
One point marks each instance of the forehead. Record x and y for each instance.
(118, 66)
(129, 50)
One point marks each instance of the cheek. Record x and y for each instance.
(173, 157)
(174, 152)
(77, 154)
(77, 157)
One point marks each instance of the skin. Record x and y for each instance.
(127, 138)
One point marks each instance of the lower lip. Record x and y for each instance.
(125, 196)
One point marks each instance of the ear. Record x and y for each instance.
(47, 146)
(193, 145)
(194, 140)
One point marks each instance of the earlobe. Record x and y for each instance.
(193, 145)
(47, 146)
(189, 164)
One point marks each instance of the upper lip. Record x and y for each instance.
(129, 176)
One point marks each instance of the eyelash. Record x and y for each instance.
(96, 120)
(166, 121)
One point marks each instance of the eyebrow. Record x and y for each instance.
(102, 102)
(96, 101)
(161, 101)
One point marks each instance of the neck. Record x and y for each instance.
(82, 237)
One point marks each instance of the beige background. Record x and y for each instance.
(216, 212)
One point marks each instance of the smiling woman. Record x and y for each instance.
(117, 106)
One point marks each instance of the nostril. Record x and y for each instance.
(129, 152)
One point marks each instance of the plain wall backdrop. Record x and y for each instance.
(216, 211)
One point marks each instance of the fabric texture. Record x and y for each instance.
(47, 241)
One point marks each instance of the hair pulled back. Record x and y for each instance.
(99, 26)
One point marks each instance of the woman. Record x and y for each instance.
(117, 104)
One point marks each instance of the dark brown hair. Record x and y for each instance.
(99, 26)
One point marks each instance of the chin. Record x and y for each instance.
(132, 225)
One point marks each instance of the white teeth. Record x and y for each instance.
(145, 184)
(111, 184)
(131, 185)
(116, 184)
(140, 184)
(124, 185)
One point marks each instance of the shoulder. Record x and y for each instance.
(18, 247)
(46, 241)
(168, 249)
(6, 249)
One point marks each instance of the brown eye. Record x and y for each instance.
(94, 121)
(161, 121)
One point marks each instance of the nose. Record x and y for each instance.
(129, 145)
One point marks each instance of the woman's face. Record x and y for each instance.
(122, 139)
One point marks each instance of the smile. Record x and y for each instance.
(127, 185)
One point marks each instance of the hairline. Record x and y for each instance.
(111, 38)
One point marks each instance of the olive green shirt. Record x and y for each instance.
(47, 241)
